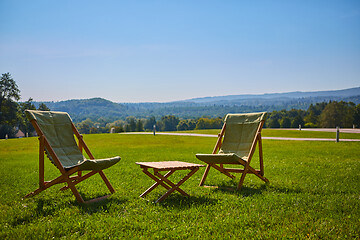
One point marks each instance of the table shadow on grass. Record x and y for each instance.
(181, 202)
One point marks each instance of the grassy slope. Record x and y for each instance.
(313, 193)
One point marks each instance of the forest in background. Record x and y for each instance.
(327, 115)
(97, 115)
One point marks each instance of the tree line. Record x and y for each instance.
(321, 115)
(132, 124)
(325, 115)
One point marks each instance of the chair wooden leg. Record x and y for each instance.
(71, 185)
(46, 185)
(108, 184)
(257, 173)
(205, 175)
(37, 191)
(242, 178)
(223, 170)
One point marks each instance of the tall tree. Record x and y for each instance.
(9, 93)
(183, 125)
(85, 126)
(357, 116)
(298, 121)
(149, 123)
(131, 123)
(43, 107)
(285, 122)
(169, 123)
(338, 114)
(274, 123)
(139, 126)
(8, 89)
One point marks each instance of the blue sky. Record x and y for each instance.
(158, 51)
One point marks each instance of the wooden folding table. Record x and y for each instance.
(160, 179)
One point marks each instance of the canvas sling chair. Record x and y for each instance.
(236, 146)
(56, 138)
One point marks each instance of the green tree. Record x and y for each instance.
(191, 124)
(24, 124)
(338, 114)
(298, 120)
(127, 128)
(209, 123)
(94, 130)
(117, 123)
(10, 118)
(169, 123)
(131, 124)
(119, 129)
(274, 123)
(8, 89)
(183, 125)
(285, 122)
(85, 126)
(357, 116)
(312, 116)
(43, 107)
(139, 126)
(216, 123)
(9, 93)
(149, 123)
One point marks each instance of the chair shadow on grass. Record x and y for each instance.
(98, 206)
(43, 207)
(46, 206)
(245, 191)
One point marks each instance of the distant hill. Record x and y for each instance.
(96, 108)
(345, 93)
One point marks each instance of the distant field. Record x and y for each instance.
(290, 133)
(313, 193)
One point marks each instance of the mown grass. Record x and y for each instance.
(266, 132)
(313, 194)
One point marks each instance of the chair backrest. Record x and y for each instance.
(57, 128)
(240, 133)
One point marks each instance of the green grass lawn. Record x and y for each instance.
(266, 132)
(313, 193)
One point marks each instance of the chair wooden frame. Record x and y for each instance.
(65, 176)
(246, 163)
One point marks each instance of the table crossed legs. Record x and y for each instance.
(160, 179)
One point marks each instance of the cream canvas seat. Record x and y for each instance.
(56, 137)
(236, 146)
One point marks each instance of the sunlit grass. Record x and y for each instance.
(313, 193)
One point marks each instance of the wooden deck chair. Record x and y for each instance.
(236, 145)
(56, 136)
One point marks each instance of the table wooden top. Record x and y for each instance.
(169, 165)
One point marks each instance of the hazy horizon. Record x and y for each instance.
(260, 94)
